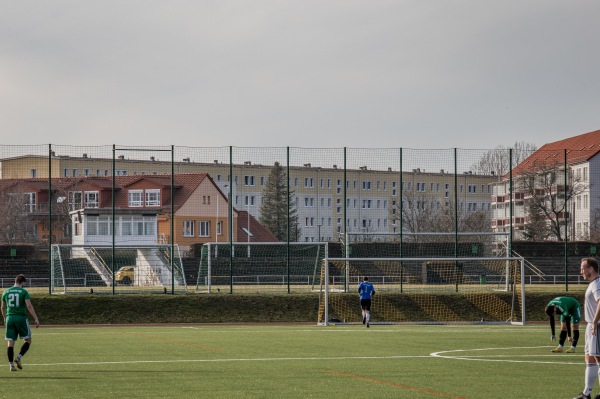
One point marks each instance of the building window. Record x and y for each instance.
(366, 185)
(138, 226)
(135, 198)
(30, 199)
(248, 180)
(153, 197)
(74, 200)
(188, 228)
(74, 172)
(91, 199)
(308, 182)
(66, 173)
(204, 228)
(33, 173)
(219, 228)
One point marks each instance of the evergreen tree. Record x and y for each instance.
(274, 211)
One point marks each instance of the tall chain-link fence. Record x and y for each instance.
(105, 203)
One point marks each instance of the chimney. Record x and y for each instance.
(442, 171)
(121, 156)
(152, 158)
(216, 161)
(247, 162)
(334, 166)
(389, 169)
(84, 155)
(186, 159)
(307, 165)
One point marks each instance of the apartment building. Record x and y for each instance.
(371, 198)
(541, 178)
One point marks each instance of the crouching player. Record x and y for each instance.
(569, 311)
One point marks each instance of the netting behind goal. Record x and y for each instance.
(427, 244)
(424, 290)
(260, 267)
(141, 269)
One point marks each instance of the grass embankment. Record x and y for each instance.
(220, 308)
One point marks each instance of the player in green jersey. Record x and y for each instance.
(570, 315)
(14, 305)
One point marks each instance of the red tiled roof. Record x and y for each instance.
(578, 149)
(185, 184)
(259, 232)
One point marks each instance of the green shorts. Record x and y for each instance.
(17, 326)
(575, 319)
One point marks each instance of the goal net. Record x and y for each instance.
(424, 290)
(260, 267)
(427, 244)
(136, 269)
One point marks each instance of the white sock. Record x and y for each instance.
(591, 374)
(368, 316)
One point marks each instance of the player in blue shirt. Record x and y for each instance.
(366, 291)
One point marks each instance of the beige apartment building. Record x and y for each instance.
(372, 199)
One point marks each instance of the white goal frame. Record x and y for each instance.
(521, 260)
(152, 262)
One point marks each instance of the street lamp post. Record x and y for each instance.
(248, 222)
(217, 221)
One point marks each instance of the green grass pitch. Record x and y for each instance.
(295, 361)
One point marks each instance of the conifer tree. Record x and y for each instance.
(274, 211)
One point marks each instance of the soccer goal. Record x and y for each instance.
(139, 269)
(260, 267)
(424, 290)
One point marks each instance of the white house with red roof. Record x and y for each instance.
(541, 176)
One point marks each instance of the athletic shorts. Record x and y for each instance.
(575, 318)
(17, 326)
(365, 304)
(592, 342)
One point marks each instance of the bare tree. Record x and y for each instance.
(15, 223)
(497, 161)
(544, 185)
(537, 227)
(420, 212)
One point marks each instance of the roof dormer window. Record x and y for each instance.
(135, 198)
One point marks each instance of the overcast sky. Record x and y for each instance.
(404, 73)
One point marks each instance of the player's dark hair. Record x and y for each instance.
(591, 262)
(365, 278)
(20, 279)
(550, 310)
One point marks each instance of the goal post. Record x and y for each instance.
(135, 269)
(424, 290)
(260, 266)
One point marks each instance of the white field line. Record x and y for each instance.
(264, 359)
(488, 358)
